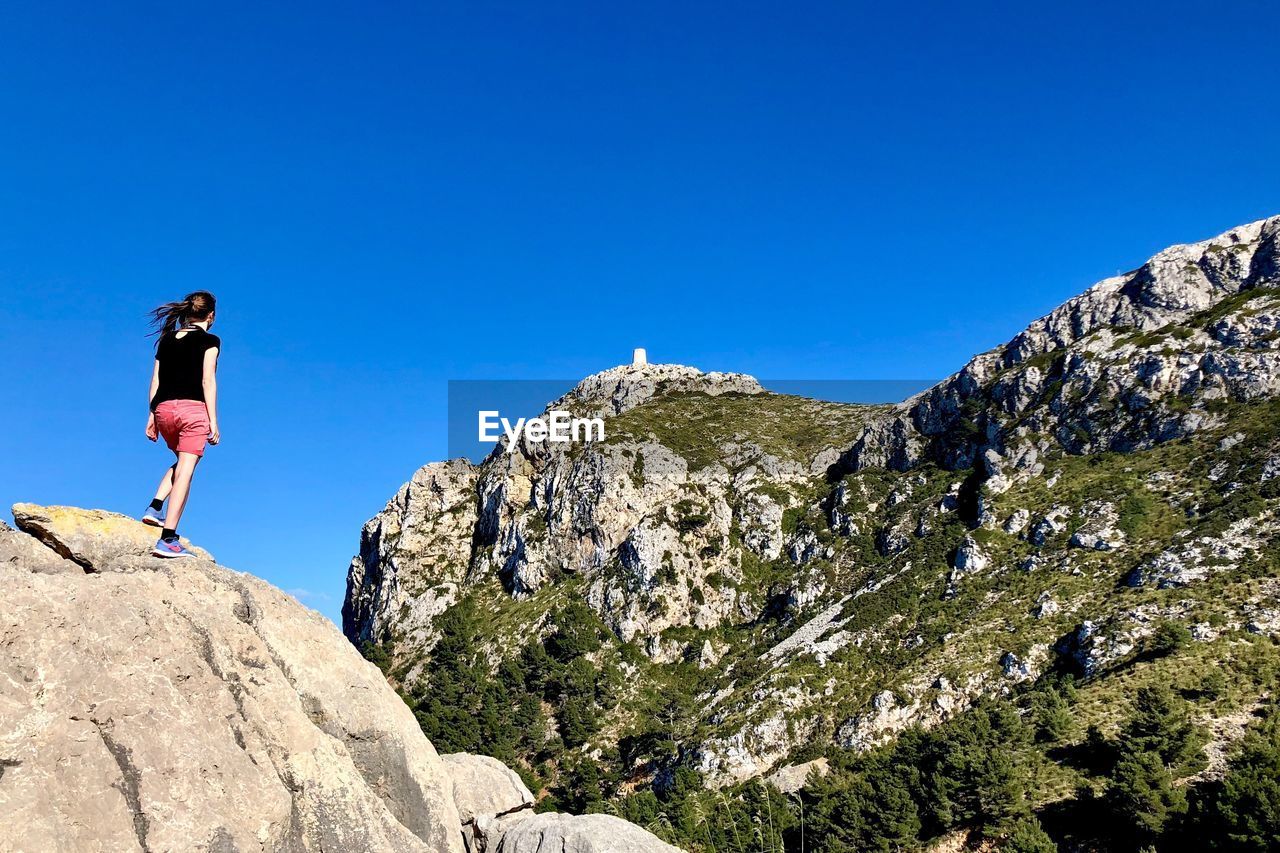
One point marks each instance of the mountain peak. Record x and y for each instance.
(618, 389)
(1172, 285)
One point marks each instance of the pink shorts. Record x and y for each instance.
(184, 424)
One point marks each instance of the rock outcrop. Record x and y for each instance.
(179, 705)
(551, 832)
(413, 555)
(92, 539)
(617, 515)
(620, 389)
(1105, 370)
(150, 704)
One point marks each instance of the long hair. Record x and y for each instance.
(194, 308)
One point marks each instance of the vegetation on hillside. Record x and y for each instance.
(1118, 758)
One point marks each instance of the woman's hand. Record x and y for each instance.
(214, 435)
(152, 432)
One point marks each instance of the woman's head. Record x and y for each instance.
(196, 307)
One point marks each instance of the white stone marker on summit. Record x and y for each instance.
(638, 357)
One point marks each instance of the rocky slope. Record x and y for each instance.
(178, 705)
(779, 576)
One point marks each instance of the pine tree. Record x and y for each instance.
(1054, 721)
(1142, 799)
(1162, 724)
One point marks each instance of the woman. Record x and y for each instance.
(184, 406)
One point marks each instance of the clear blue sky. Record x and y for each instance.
(387, 196)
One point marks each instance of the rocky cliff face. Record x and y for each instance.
(1100, 372)
(618, 515)
(178, 705)
(798, 573)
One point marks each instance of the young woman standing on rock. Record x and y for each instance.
(184, 405)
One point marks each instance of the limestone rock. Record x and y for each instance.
(484, 786)
(893, 540)
(803, 547)
(179, 705)
(490, 798)
(709, 654)
(1192, 561)
(1098, 531)
(1049, 524)
(1096, 645)
(1018, 668)
(924, 703)
(96, 540)
(1263, 620)
(970, 557)
(551, 832)
(1046, 606)
(1085, 375)
(23, 551)
(1271, 469)
(760, 519)
(620, 389)
(793, 777)
(1017, 521)
(412, 553)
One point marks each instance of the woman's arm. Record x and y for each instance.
(151, 395)
(210, 383)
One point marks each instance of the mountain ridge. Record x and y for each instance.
(768, 578)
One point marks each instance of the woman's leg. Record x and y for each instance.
(183, 469)
(166, 483)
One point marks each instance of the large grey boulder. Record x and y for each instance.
(180, 705)
(496, 809)
(552, 832)
(792, 778)
(485, 786)
(489, 795)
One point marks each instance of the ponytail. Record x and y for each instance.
(194, 307)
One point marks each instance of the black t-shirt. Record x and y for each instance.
(182, 365)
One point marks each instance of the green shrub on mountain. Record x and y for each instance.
(578, 632)
(378, 654)
(460, 706)
(573, 691)
(583, 786)
(971, 772)
(465, 706)
(1170, 636)
(1027, 836)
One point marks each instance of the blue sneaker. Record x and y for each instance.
(170, 548)
(153, 517)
